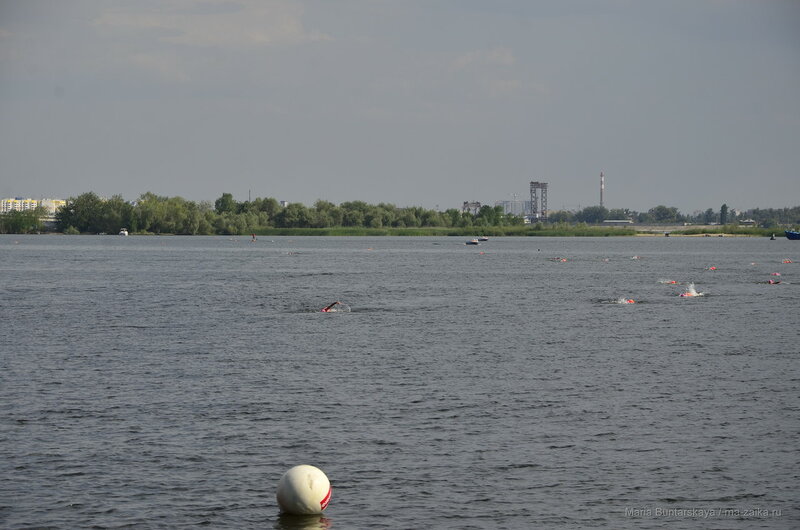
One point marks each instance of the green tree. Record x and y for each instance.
(226, 203)
(452, 217)
(486, 216)
(664, 214)
(561, 216)
(388, 214)
(353, 218)
(430, 218)
(269, 206)
(114, 213)
(296, 215)
(408, 217)
(467, 219)
(82, 213)
(619, 213)
(150, 213)
(723, 214)
(592, 215)
(22, 222)
(373, 217)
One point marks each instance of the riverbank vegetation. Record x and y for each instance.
(670, 215)
(537, 229)
(729, 230)
(153, 214)
(24, 222)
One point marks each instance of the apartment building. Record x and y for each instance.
(19, 204)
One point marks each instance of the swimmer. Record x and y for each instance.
(691, 291)
(329, 308)
(621, 300)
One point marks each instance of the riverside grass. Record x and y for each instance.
(537, 230)
(472, 231)
(731, 230)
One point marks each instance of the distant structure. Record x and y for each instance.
(539, 209)
(20, 204)
(515, 207)
(471, 207)
(602, 188)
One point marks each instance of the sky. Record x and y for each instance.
(431, 103)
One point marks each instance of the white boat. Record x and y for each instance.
(123, 231)
(472, 242)
(483, 238)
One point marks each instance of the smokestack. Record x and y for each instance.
(602, 188)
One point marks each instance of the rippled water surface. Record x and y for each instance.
(167, 381)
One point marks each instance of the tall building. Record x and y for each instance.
(520, 208)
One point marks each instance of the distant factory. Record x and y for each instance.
(535, 209)
(532, 210)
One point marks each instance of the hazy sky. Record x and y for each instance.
(428, 103)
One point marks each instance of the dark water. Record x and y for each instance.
(169, 382)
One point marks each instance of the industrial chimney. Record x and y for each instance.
(602, 188)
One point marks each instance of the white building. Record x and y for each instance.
(515, 207)
(18, 204)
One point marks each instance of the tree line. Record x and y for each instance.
(23, 222)
(151, 213)
(762, 217)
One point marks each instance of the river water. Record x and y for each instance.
(170, 381)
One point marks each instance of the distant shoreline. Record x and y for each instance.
(504, 231)
(721, 234)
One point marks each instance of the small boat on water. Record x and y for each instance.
(483, 238)
(123, 231)
(792, 234)
(472, 242)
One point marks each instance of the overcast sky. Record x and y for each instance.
(418, 103)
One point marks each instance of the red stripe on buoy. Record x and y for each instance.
(324, 502)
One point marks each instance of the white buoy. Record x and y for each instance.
(303, 490)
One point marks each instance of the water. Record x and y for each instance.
(169, 382)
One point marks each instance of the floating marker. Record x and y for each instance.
(303, 490)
